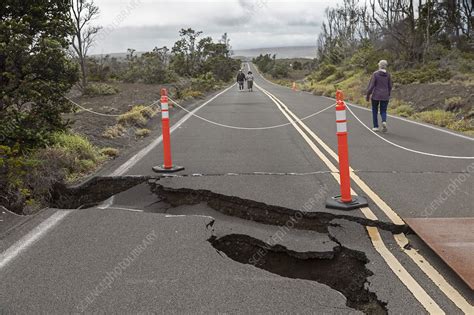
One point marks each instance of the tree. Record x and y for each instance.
(226, 41)
(215, 57)
(35, 71)
(193, 56)
(467, 18)
(83, 13)
(297, 65)
(185, 57)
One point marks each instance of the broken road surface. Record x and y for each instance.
(244, 228)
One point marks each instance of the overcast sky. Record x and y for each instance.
(144, 24)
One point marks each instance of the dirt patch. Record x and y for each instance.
(105, 132)
(93, 126)
(429, 96)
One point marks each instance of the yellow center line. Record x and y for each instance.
(418, 292)
(426, 267)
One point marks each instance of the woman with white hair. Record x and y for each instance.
(379, 90)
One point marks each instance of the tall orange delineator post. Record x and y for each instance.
(345, 201)
(167, 166)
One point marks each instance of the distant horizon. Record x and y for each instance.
(233, 49)
(282, 52)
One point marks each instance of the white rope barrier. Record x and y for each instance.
(408, 149)
(246, 128)
(103, 114)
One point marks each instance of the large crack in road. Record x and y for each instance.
(259, 211)
(343, 269)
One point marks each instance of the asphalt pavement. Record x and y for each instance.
(139, 253)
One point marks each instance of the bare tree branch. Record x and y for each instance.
(83, 12)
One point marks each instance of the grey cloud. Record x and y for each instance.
(250, 24)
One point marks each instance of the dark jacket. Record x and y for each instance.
(380, 86)
(240, 77)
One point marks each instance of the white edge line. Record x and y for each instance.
(389, 115)
(137, 157)
(187, 215)
(413, 122)
(125, 209)
(33, 236)
(39, 231)
(407, 120)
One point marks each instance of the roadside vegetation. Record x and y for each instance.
(428, 45)
(43, 62)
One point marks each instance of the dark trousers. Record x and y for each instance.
(241, 85)
(375, 111)
(249, 84)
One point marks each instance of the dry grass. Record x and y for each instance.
(188, 94)
(110, 152)
(113, 132)
(142, 132)
(138, 116)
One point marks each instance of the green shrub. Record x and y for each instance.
(187, 94)
(339, 75)
(325, 71)
(138, 116)
(280, 70)
(453, 103)
(147, 111)
(464, 125)
(466, 65)
(80, 155)
(324, 90)
(132, 118)
(110, 152)
(204, 82)
(436, 117)
(27, 179)
(141, 133)
(404, 110)
(95, 89)
(425, 74)
(83, 166)
(114, 131)
(76, 145)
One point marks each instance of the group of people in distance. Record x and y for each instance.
(241, 77)
(378, 92)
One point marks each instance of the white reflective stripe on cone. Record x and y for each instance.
(340, 114)
(341, 127)
(164, 106)
(165, 114)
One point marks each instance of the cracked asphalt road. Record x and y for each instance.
(68, 268)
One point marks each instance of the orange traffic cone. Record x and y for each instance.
(294, 86)
(345, 201)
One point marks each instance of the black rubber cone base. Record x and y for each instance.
(162, 169)
(356, 203)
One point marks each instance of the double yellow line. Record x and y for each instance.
(405, 277)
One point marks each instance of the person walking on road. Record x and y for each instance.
(379, 90)
(249, 79)
(241, 79)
